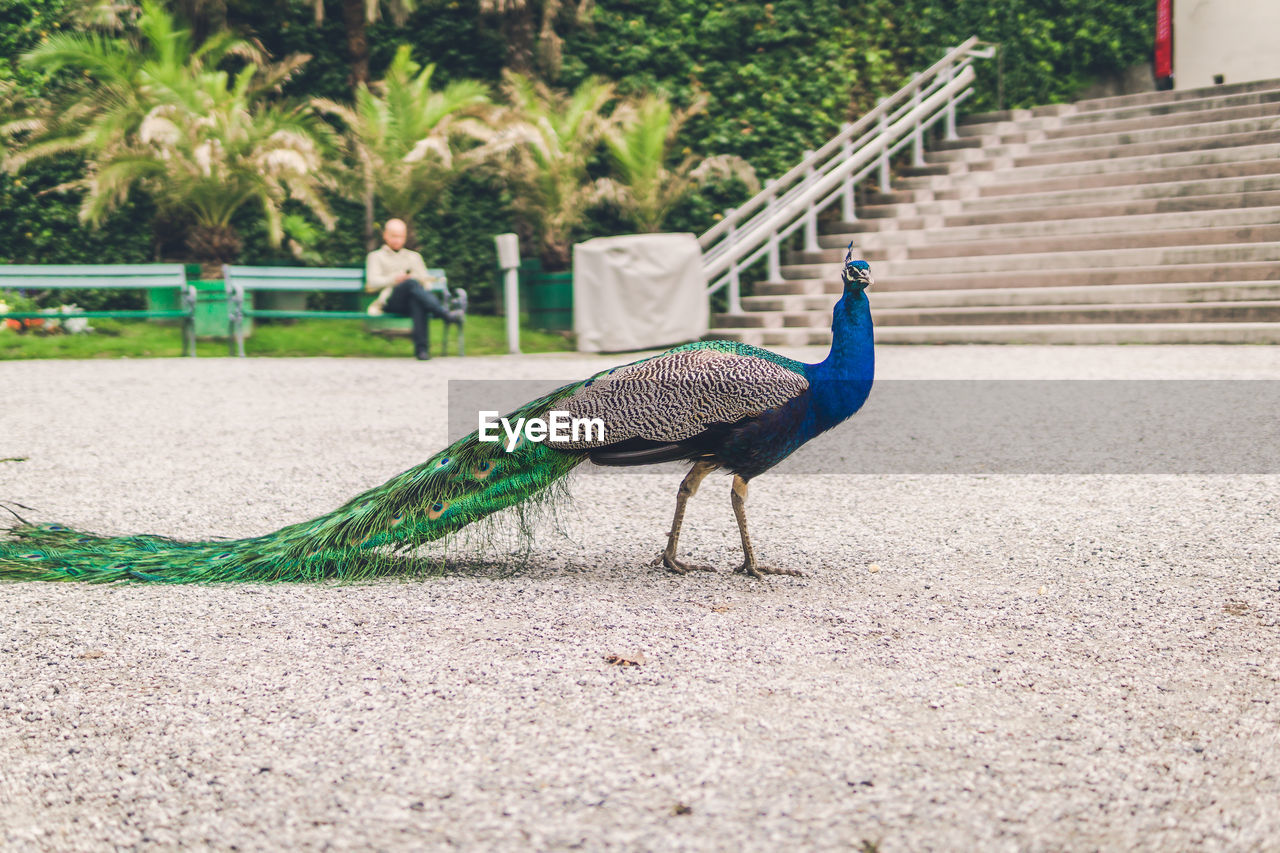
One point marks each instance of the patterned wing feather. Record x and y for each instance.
(679, 394)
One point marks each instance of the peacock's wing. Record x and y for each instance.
(679, 395)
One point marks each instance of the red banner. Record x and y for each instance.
(1164, 39)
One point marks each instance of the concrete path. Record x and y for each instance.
(996, 663)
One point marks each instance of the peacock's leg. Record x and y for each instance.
(688, 488)
(749, 565)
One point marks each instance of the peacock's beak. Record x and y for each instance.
(856, 277)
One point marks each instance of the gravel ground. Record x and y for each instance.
(990, 662)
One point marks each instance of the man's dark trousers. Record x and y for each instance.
(411, 299)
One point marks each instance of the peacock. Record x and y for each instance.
(717, 404)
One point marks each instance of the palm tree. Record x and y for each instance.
(159, 117)
(559, 133)
(644, 188)
(409, 139)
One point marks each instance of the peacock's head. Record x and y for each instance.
(856, 274)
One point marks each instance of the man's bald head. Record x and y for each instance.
(394, 233)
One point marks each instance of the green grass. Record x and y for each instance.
(341, 338)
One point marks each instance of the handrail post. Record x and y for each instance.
(774, 261)
(811, 215)
(884, 155)
(917, 137)
(847, 212)
(735, 290)
(951, 108)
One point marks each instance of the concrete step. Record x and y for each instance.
(1173, 119)
(1223, 134)
(1161, 274)
(1191, 221)
(1115, 240)
(1114, 102)
(1082, 258)
(1096, 208)
(1196, 137)
(1204, 312)
(1116, 294)
(1193, 292)
(1091, 122)
(1101, 333)
(1110, 146)
(890, 218)
(1264, 311)
(1117, 159)
(1044, 130)
(801, 287)
(1080, 333)
(1131, 192)
(1105, 241)
(1095, 174)
(933, 169)
(961, 142)
(1186, 108)
(1172, 96)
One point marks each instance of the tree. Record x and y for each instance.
(405, 137)
(158, 116)
(210, 17)
(356, 16)
(643, 187)
(529, 31)
(558, 134)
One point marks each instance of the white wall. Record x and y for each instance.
(1239, 39)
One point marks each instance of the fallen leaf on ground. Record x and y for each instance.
(631, 659)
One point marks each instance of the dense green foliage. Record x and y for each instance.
(1049, 49)
(780, 77)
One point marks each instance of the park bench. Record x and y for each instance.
(106, 277)
(242, 279)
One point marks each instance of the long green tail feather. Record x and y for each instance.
(462, 484)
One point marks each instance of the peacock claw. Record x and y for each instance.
(673, 565)
(758, 571)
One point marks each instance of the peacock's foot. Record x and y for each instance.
(758, 571)
(671, 564)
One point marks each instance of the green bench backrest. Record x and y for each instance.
(39, 276)
(306, 278)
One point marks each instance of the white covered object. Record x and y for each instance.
(638, 291)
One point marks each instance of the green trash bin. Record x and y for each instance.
(169, 299)
(212, 318)
(551, 301)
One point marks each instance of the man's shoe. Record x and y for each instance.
(423, 355)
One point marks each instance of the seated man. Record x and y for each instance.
(400, 274)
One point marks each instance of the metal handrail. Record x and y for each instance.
(829, 174)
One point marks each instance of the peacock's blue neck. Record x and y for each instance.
(840, 384)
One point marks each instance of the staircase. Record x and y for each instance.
(1151, 218)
